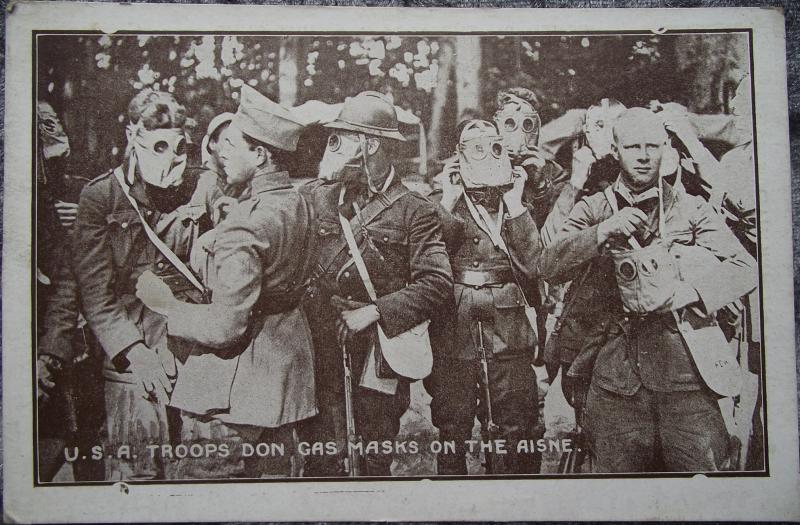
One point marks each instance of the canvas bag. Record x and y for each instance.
(414, 341)
(702, 335)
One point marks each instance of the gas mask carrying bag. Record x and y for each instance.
(645, 277)
(408, 354)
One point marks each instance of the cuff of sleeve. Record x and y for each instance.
(116, 343)
(120, 360)
(391, 316)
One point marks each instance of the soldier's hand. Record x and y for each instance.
(582, 160)
(148, 373)
(513, 197)
(47, 370)
(154, 293)
(678, 123)
(574, 389)
(624, 223)
(67, 213)
(452, 189)
(354, 321)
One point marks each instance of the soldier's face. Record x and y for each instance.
(597, 130)
(639, 147)
(342, 159)
(161, 156)
(238, 160)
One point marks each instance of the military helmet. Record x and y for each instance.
(370, 113)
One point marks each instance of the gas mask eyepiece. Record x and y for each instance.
(483, 161)
(519, 125)
(160, 154)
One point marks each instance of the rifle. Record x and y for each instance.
(571, 462)
(492, 429)
(352, 465)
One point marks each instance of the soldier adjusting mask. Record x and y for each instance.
(519, 126)
(482, 159)
(159, 154)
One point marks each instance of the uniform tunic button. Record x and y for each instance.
(322, 231)
(349, 297)
(607, 245)
(160, 266)
(347, 275)
(476, 240)
(124, 225)
(475, 264)
(385, 238)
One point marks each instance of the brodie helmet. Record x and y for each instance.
(370, 113)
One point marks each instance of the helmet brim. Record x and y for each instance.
(389, 134)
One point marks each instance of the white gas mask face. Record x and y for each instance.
(160, 155)
(342, 158)
(55, 142)
(482, 159)
(519, 126)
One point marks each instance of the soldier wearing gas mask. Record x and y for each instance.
(494, 248)
(519, 124)
(648, 407)
(111, 249)
(399, 237)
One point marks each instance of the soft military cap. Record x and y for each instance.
(370, 113)
(266, 121)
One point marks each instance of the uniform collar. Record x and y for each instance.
(621, 189)
(269, 180)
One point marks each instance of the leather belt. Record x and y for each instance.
(482, 278)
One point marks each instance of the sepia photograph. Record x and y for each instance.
(338, 256)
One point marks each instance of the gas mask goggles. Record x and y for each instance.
(345, 158)
(483, 161)
(519, 126)
(160, 155)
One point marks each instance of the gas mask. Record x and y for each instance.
(160, 155)
(345, 159)
(55, 142)
(519, 126)
(483, 161)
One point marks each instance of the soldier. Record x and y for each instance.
(493, 251)
(519, 124)
(648, 408)
(252, 366)
(399, 236)
(112, 248)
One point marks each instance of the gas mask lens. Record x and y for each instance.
(334, 142)
(510, 124)
(497, 149)
(528, 125)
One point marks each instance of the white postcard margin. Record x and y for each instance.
(698, 498)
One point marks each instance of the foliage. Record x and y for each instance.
(90, 78)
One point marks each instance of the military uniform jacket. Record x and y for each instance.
(500, 306)
(648, 350)
(111, 250)
(253, 363)
(406, 259)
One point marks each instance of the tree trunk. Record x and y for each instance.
(287, 71)
(440, 94)
(468, 81)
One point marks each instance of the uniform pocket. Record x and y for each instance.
(508, 296)
(123, 228)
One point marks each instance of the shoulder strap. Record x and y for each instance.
(174, 260)
(483, 220)
(369, 213)
(357, 258)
